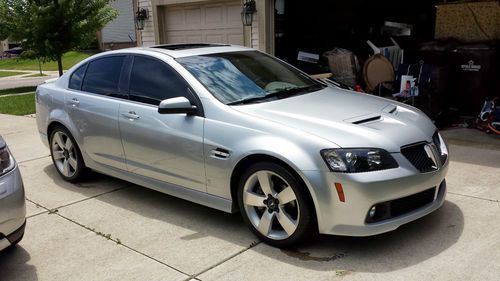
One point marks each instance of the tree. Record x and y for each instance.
(49, 28)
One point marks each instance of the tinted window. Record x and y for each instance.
(75, 82)
(103, 75)
(152, 81)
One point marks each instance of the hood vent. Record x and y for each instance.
(374, 118)
(391, 109)
(364, 119)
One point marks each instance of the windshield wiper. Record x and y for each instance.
(280, 93)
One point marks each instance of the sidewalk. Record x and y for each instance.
(22, 80)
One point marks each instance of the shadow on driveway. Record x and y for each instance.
(22, 270)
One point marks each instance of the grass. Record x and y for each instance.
(17, 90)
(18, 105)
(69, 59)
(9, 73)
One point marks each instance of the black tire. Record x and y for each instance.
(81, 170)
(305, 215)
(13, 245)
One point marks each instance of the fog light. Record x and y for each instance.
(372, 212)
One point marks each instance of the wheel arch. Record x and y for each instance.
(252, 159)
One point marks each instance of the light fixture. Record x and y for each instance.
(140, 18)
(247, 12)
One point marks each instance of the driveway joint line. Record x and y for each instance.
(119, 243)
(475, 197)
(91, 197)
(195, 276)
(29, 160)
(38, 205)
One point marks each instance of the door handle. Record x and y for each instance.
(74, 102)
(131, 115)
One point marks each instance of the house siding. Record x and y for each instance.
(121, 29)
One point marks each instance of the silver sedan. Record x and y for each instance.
(12, 202)
(239, 130)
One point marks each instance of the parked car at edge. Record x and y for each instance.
(238, 130)
(12, 201)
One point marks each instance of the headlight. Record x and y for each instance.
(6, 161)
(358, 160)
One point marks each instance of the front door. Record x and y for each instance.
(165, 147)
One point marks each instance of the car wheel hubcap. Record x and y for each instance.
(271, 205)
(64, 154)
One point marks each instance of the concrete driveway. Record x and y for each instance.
(108, 229)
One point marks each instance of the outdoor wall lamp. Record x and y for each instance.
(140, 18)
(247, 12)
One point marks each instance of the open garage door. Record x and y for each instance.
(214, 22)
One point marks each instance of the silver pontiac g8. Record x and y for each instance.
(235, 129)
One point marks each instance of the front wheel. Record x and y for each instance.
(274, 205)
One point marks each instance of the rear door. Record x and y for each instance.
(92, 102)
(165, 147)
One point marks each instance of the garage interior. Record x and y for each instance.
(453, 95)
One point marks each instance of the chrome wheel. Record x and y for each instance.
(271, 205)
(64, 154)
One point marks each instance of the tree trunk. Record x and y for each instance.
(59, 64)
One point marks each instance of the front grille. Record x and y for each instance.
(409, 203)
(419, 158)
(395, 208)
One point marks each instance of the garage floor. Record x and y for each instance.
(108, 229)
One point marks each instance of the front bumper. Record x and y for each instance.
(364, 190)
(12, 208)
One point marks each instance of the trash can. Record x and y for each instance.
(473, 77)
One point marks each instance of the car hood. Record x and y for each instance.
(2, 142)
(348, 119)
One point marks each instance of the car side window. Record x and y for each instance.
(152, 81)
(75, 81)
(103, 75)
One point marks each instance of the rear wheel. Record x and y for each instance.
(274, 205)
(66, 155)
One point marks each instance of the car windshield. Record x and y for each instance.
(247, 77)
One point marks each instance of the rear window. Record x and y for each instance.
(75, 82)
(103, 75)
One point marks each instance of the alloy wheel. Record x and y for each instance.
(271, 205)
(64, 154)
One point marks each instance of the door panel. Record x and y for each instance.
(165, 147)
(96, 118)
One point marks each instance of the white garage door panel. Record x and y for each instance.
(218, 22)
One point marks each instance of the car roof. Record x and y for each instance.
(194, 49)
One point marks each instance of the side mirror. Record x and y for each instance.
(177, 105)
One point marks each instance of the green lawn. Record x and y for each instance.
(69, 59)
(17, 90)
(9, 73)
(18, 105)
